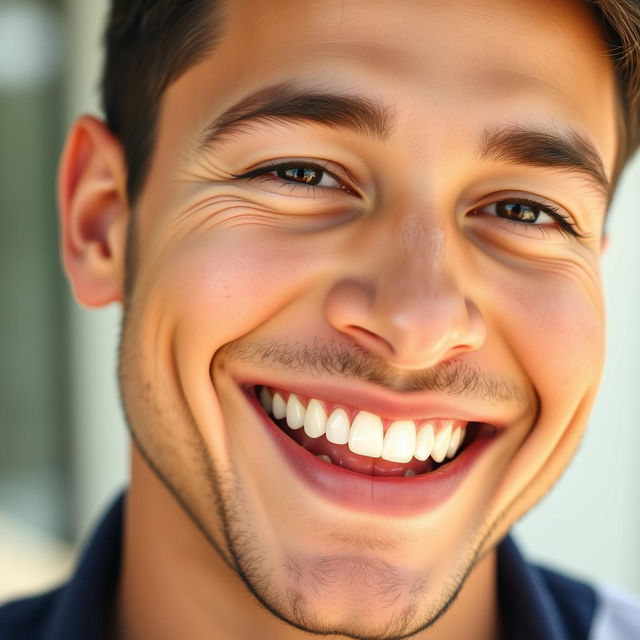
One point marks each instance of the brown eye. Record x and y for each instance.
(517, 211)
(530, 213)
(302, 179)
(298, 173)
(304, 175)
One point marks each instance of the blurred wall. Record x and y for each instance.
(35, 476)
(33, 419)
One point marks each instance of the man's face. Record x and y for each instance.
(414, 261)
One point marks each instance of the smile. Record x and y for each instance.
(371, 461)
(335, 433)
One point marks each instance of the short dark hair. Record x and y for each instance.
(150, 43)
(621, 25)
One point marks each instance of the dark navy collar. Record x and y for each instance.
(527, 608)
(536, 604)
(85, 604)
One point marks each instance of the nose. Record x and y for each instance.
(408, 304)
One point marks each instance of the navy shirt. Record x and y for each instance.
(537, 604)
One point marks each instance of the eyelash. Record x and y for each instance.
(566, 226)
(263, 171)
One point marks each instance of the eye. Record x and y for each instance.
(311, 175)
(523, 211)
(296, 175)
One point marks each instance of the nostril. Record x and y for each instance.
(369, 339)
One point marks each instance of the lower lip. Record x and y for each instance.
(386, 496)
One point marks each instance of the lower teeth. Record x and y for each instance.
(326, 458)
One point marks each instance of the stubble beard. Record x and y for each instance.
(145, 401)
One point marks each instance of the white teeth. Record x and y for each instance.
(265, 399)
(295, 412)
(454, 443)
(279, 407)
(338, 427)
(409, 472)
(324, 457)
(315, 419)
(424, 442)
(366, 435)
(400, 441)
(441, 445)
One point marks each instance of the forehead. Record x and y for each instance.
(456, 65)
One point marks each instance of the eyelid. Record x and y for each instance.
(521, 196)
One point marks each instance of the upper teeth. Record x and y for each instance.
(402, 441)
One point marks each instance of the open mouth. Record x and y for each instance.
(366, 443)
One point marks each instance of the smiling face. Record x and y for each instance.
(371, 233)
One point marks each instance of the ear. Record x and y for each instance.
(604, 243)
(94, 213)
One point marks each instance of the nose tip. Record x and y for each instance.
(432, 331)
(410, 330)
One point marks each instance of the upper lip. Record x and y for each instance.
(393, 405)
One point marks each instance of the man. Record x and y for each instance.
(357, 244)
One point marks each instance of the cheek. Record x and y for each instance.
(556, 326)
(221, 287)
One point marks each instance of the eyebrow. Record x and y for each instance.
(521, 145)
(285, 102)
(515, 144)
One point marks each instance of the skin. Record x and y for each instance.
(224, 264)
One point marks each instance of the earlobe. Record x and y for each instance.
(94, 213)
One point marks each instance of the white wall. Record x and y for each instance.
(589, 524)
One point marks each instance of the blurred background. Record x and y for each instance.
(63, 445)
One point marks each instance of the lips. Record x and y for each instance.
(372, 484)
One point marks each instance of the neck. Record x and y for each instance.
(174, 584)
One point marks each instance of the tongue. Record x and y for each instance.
(342, 456)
